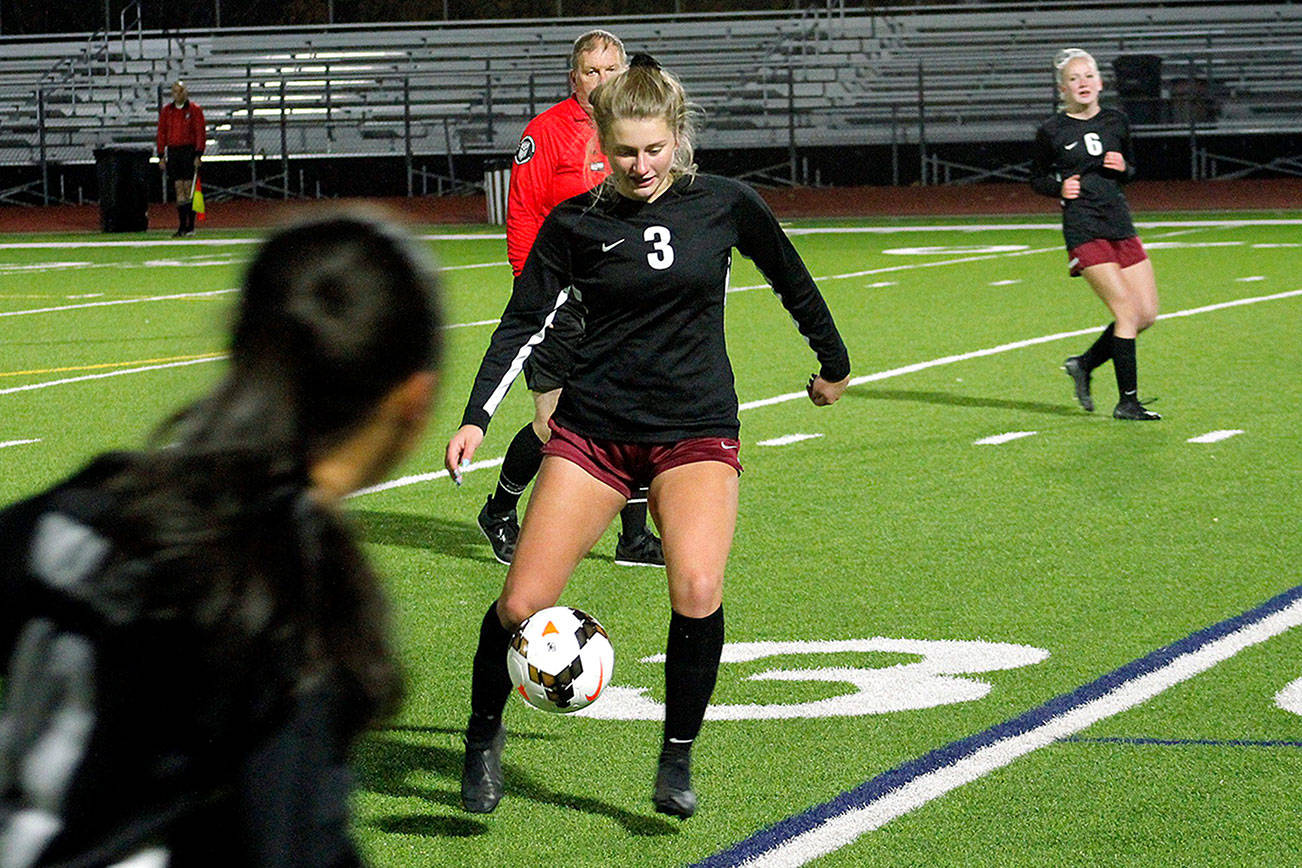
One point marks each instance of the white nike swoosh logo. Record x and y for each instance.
(726, 446)
(1072, 145)
(606, 248)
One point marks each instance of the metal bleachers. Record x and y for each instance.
(827, 76)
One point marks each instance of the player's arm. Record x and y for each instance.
(762, 240)
(1119, 165)
(536, 294)
(200, 130)
(1045, 179)
(161, 136)
(529, 194)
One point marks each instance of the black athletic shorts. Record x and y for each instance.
(180, 163)
(549, 365)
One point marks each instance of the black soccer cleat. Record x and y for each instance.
(502, 531)
(642, 550)
(1081, 378)
(1131, 409)
(673, 794)
(481, 775)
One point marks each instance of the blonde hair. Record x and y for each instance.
(1066, 56)
(646, 91)
(596, 39)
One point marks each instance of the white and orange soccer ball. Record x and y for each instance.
(560, 659)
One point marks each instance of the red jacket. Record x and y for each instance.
(558, 158)
(181, 126)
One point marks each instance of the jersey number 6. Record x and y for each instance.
(662, 254)
(1093, 144)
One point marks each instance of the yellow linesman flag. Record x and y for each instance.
(196, 199)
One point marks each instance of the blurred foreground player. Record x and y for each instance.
(191, 637)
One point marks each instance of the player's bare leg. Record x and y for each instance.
(695, 507)
(568, 512)
(1131, 296)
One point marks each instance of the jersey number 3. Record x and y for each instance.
(661, 255)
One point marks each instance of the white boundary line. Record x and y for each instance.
(106, 374)
(776, 399)
(180, 296)
(1016, 345)
(887, 374)
(812, 230)
(842, 829)
(232, 241)
(913, 266)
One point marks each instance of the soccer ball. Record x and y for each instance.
(560, 659)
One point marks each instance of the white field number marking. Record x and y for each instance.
(928, 682)
(1290, 698)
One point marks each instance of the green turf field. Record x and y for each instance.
(897, 585)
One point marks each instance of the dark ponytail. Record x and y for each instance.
(334, 313)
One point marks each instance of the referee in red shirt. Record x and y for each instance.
(181, 139)
(558, 157)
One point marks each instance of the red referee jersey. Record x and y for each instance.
(181, 126)
(558, 157)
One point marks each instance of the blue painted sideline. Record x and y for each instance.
(1182, 742)
(865, 794)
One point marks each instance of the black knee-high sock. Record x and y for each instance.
(490, 683)
(1100, 351)
(181, 220)
(1123, 361)
(190, 216)
(632, 517)
(519, 467)
(691, 668)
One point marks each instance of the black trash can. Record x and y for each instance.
(1139, 84)
(123, 176)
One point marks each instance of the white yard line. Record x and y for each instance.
(180, 296)
(1003, 438)
(1046, 226)
(106, 374)
(1016, 345)
(788, 439)
(232, 241)
(912, 266)
(6, 443)
(1215, 436)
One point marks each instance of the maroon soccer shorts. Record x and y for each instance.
(1123, 251)
(628, 466)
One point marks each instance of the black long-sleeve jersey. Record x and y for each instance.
(1066, 146)
(652, 367)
